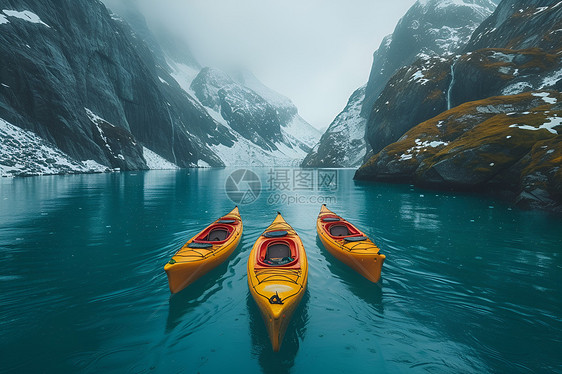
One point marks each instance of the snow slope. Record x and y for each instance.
(343, 144)
(22, 153)
(297, 135)
(157, 162)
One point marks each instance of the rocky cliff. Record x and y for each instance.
(61, 62)
(101, 87)
(505, 144)
(496, 116)
(433, 28)
(343, 143)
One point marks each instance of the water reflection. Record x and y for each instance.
(422, 217)
(369, 292)
(277, 362)
(194, 295)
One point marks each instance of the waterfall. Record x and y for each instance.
(451, 84)
(173, 135)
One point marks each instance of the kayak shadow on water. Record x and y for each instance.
(194, 295)
(370, 292)
(282, 361)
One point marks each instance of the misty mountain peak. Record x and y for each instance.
(431, 27)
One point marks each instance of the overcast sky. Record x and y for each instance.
(316, 52)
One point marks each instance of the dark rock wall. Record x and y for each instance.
(502, 131)
(413, 95)
(425, 28)
(85, 59)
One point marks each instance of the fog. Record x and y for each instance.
(314, 52)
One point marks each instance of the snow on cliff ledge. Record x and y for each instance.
(22, 153)
(25, 15)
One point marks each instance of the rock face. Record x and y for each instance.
(266, 125)
(429, 29)
(506, 143)
(343, 144)
(520, 24)
(501, 132)
(414, 94)
(76, 57)
(515, 50)
(159, 41)
(96, 88)
(505, 71)
(250, 115)
(207, 84)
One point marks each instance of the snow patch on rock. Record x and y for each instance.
(25, 15)
(22, 153)
(550, 125)
(419, 77)
(551, 80)
(421, 146)
(500, 56)
(156, 162)
(546, 97)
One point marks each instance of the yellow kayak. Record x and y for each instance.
(205, 251)
(277, 275)
(349, 245)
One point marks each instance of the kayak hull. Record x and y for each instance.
(278, 290)
(199, 255)
(355, 249)
(277, 319)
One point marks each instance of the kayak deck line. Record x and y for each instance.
(274, 276)
(356, 247)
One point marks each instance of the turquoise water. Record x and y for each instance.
(470, 285)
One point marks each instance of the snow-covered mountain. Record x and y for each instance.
(263, 127)
(99, 86)
(343, 144)
(429, 28)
